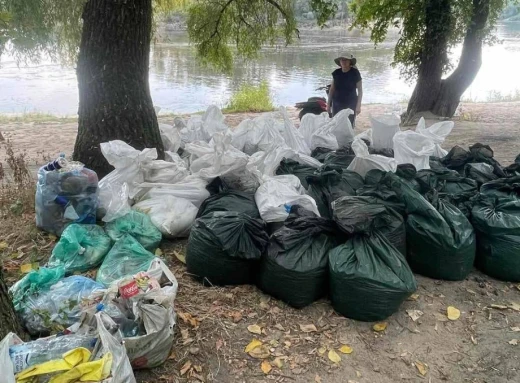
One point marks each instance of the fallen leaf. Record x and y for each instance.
(180, 257)
(345, 349)
(515, 329)
(218, 344)
(473, 340)
(278, 362)
(197, 368)
(158, 252)
(260, 352)
(185, 333)
(413, 297)
(514, 306)
(198, 377)
(194, 350)
(28, 267)
(317, 379)
(3, 245)
(308, 328)
(52, 237)
(188, 318)
(185, 367)
(499, 307)
(358, 374)
(266, 367)
(255, 329)
(380, 326)
(236, 316)
(513, 342)
(453, 313)
(334, 357)
(414, 314)
(322, 350)
(421, 367)
(252, 345)
(440, 317)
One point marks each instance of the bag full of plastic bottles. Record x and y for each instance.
(66, 192)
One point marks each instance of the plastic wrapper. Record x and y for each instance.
(139, 226)
(80, 248)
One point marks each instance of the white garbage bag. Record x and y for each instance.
(173, 216)
(365, 135)
(277, 194)
(121, 184)
(310, 124)
(170, 137)
(437, 133)
(341, 127)
(413, 148)
(252, 136)
(384, 128)
(364, 161)
(202, 128)
(293, 138)
(176, 159)
(192, 188)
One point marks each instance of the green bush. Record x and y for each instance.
(251, 98)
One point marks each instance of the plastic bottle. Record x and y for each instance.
(57, 164)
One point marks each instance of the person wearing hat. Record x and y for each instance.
(346, 90)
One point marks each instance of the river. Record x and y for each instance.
(179, 84)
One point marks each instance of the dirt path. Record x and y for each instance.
(212, 329)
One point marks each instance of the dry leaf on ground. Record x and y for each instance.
(334, 357)
(278, 362)
(317, 379)
(514, 306)
(515, 329)
(414, 314)
(308, 328)
(266, 367)
(180, 257)
(473, 340)
(513, 342)
(499, 307)
(380, 326)
(252, 345)
(413, 297)
(3, 245)
(322, 350)
(158, 252)
(185, 367)
(260, 352)
(453, 313)
(421, 367)
(345, 349)
(255, 329)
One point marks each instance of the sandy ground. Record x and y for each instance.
(213, 323)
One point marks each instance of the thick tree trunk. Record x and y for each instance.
(470, 62)
(114, 94)
(432, 58)
(8, 320)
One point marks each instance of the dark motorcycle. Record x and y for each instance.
(314, 105)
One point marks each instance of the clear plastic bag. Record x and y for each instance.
(413, 148)
(364, 161)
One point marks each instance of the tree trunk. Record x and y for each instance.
(432, 58)
(470, 62)
(8, 319)
(114, 94)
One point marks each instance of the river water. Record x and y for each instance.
(179, 84)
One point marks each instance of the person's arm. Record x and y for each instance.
(359, 87)
(331, 93)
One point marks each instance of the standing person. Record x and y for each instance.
(346, 90)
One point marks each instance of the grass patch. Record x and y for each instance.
(37, 117)
(250, 98)
(494, 96)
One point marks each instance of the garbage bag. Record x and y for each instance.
(173, 216)
(170, 137)
(369, 278)
(408, 173)
(384, 128)
(295, 267)
(288, 166)
(445, 181)
(480, 172)
(497, 223)
(337, 132)
(192, 188)
(355, 215)
(252, 136)
(440, 239)
(293, 137)
(277, 194)
(364, 161)
(413, 148)
(65, 196)
(320, 153)
(122, 184)
(458, 157)
(224, 248)
(139, 226)
(230, 200)
(310, 124)
(165, 172)
(80, 248)
(342, 157)
(203, 127)
(331, 183)
(513, 170)
(437, 133)
(502, 187)
(55, 307)
(127, 257)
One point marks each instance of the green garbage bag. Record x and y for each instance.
(139, 226)
(330, 183)
(480, 172)
(365, 214)
(341, 157)
(369, 278)
(502, 187)
(497, 223)
(224, 248)
(386, 196)
(126, 258)
(320, 153)
(440, 239)
(230, 200)
(295, 268)
(80, 248)
(288, 166)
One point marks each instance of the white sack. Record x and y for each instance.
(310, 124)
(413, 148)
(192, 188)
(364, 161)
(384, 128)
(170, 137)
(293, 138)
(437, 133)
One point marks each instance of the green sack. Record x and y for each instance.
(320, 153)
(230, 200)
(502, 187)
(497, 223)
(355, 215)
(80, 248)
(126, 258)
(440, 239)
(295, 268)
(288, 166)
(330, 183)
(369, 278)
(341, 157)
(139, 226)
(224, 248)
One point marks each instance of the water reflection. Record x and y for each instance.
(178, 83)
